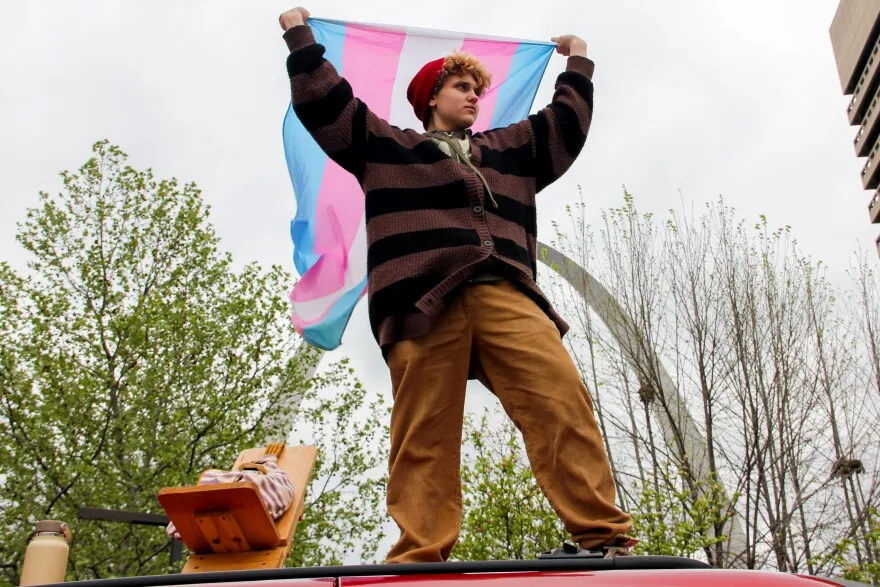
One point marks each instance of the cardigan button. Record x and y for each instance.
(478, 209)
(487, 243)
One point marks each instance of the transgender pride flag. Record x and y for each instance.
(328, 231)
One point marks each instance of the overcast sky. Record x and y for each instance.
(706, 97)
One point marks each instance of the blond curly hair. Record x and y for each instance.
(461, 63)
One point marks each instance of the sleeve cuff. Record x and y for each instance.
(582, 65)
(298, 37)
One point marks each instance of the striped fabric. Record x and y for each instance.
(428, 224)
(329, 231)
(273, 485)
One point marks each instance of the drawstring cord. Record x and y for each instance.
(464, 159)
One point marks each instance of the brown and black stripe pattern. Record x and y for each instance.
(429, 225)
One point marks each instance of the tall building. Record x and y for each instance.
(855, 39)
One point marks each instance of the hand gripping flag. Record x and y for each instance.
(328, 231)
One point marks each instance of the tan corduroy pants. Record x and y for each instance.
(522, 360)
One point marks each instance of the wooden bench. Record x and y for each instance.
(227, 527)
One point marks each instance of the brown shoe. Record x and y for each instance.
(619, 546)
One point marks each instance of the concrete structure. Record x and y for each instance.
(855, 39)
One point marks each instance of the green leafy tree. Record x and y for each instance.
(852, 565)
(133, 355)
(672, 521)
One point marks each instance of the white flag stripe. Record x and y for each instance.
(435, 33)
(416, 52)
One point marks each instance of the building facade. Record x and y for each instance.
(855, 40)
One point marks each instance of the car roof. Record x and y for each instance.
(628, 571)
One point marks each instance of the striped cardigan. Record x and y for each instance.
(430, 227)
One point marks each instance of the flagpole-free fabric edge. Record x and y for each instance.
(325, 337)
(432, 33)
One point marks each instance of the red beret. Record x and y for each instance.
(421, 88)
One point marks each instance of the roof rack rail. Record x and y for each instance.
(512, 566)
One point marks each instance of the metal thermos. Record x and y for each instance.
(45, 560)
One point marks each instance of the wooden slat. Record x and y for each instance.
(223, 532)
(253, 559)
(240, 500)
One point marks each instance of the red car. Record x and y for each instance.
(559, 571)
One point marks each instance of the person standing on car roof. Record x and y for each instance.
(451, 230)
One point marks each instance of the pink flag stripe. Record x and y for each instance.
(369, 62)
(497, 58)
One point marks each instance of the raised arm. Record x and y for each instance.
(323, 100)
(558, 132)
